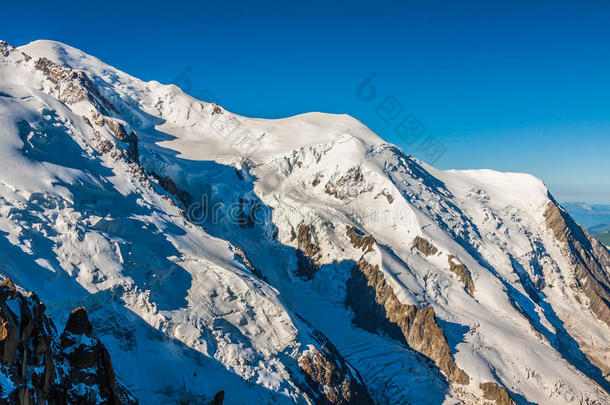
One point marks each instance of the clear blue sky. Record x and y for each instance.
(519, 87)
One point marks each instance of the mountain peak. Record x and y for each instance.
(55, 51)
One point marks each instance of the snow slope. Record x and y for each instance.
(211, 257)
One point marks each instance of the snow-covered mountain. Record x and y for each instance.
(299, 260)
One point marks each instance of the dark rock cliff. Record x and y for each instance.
(463, 274)
(308, 253)
(377, 309)
(493, 392)
(329, 378)
(425, 247)
(37, 367)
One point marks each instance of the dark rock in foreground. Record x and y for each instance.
(37, 367)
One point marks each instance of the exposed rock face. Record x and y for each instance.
(308, 253)
(350, 185)
(377, 309)
(591, 260)
(182, 196)
(39, 368)
(78, 323)
(329, 378)
(217, 109)
(387, 195)
(132, 150)
(119, 132)
(218, 398)
(425, 247)
(239, 252)
(493, 392)
(89, 361)
(359, 241)
(324, 377)
(5, 48)
(463, 274)
(73, 86)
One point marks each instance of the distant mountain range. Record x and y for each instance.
(601, 232)
(588, 215)
(595, 217)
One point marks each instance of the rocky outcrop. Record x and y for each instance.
(239, 252)
(133, 151)
(493, 392)
(5, 48)
(426, 248)
(589, 258)
(90, 372)
(462, 272)
(118, 130)
(37, 367)
(308, 253)
(217, 109)
(218, 398)
(348, 186)
(330, 380)
(73, 86)
(330, 383)
(590, 262)
(360, 241)
(377, 309)
(181, 195)
(387, 195)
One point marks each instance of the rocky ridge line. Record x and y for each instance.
(590, 270)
